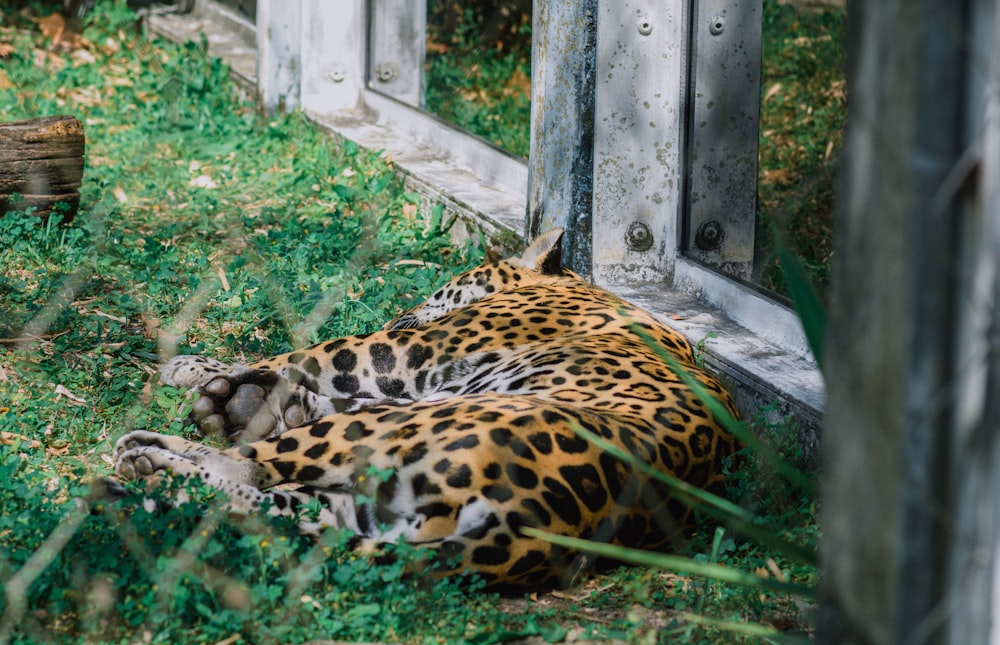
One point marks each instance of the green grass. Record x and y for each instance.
(482, 88)
(803, 108)
(205, 228)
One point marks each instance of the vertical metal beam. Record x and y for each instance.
(973, 579)
(610, 158)
(398, 47)
(870, 319)
(561, 161)
(334, 46)
(279, 56)
(724, 123)
(937, 227)
(638, 137)
(912, 517)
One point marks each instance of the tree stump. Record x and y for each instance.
(41, 160)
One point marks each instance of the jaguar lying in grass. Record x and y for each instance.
(468, 404)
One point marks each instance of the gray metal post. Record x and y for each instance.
(279, 56)
(725, 119)
(911, 513)
(334, 43)
(398, 45)
(973, 577)
(638, 151)
(561, 162)
(612, 156)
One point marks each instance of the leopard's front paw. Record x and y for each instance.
(235, 401)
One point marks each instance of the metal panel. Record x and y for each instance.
(638, 135)
(333, 54)
(725, 120)
(398, 45)
(279, 24)
(560, 166)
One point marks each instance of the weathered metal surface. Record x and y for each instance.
(910, 547)
(333, 54)
(725, 119)
(638, 140)
(397, 45)
(279, 55)
(561, 162)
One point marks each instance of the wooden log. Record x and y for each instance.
(41, 160)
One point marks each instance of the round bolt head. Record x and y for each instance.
(337, 74)
(386, 72)
(645, 25)
(717, 24)
(638, 237)
(709, 236)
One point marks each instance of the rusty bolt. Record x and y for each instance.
(638, 237)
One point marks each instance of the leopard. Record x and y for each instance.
(464, 423)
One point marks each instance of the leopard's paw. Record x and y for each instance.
(147, 461)
(192, 371)
(236, 402)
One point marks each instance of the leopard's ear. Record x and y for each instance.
(493, 255)
(544, 254)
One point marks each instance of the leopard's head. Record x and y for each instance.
(541, 261)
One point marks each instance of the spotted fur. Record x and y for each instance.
(471, 403)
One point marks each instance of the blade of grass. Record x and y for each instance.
(725, 417)
(747, 629)
(674, 563)
(808, 304)
(712, 505)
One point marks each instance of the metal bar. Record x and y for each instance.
(561, 161)
(725, 119)
(638, 140)
(398, 46)
(279, 56)
(936, 230)
(973, 579)
(334, 44)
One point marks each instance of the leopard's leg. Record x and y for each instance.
(151, 456)
(246, 403)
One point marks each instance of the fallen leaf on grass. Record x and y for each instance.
(118, 319)
(5, 82)
(52, 26)
(10, 438)
(61, 391)
(203, 181)
(57, 449)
